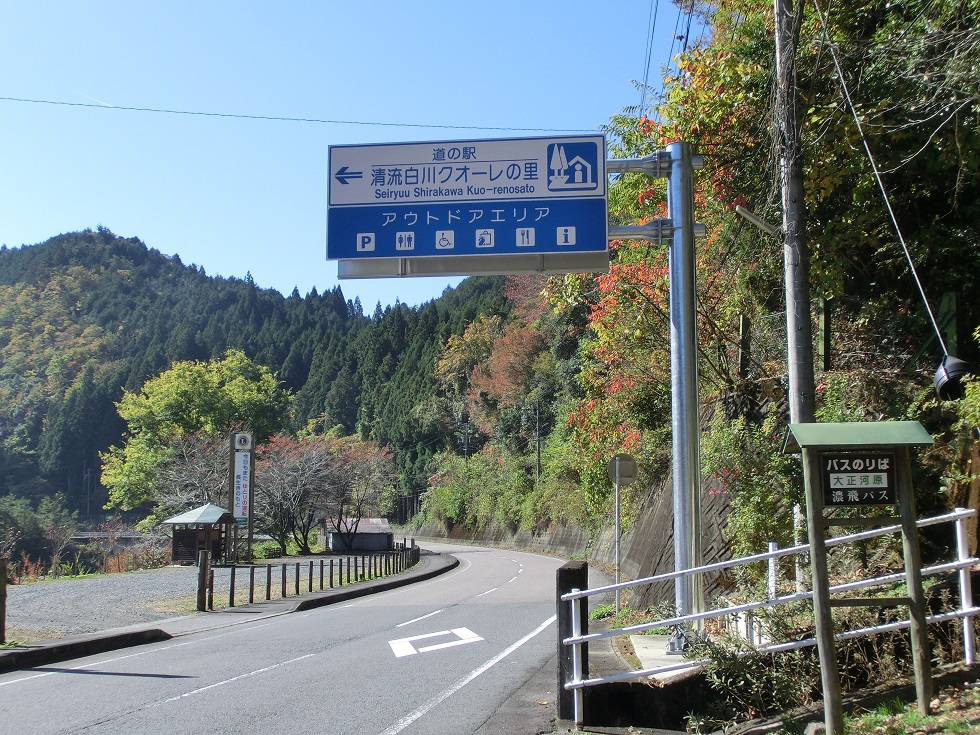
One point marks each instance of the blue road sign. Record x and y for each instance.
(502, 197)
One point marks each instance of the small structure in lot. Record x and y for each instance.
(207, 528)
(365, 534)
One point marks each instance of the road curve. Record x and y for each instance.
(439, 657)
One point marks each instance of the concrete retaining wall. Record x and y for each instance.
(647, 546)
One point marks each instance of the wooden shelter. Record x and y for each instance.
(208, 528)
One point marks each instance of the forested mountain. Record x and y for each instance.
(85, 315)
(505, 398)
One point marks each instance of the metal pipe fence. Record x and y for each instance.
(574, 681)
(246, 583)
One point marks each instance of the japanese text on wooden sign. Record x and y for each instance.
(858, 478)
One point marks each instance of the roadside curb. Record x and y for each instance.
(62, 649)
(67, 648)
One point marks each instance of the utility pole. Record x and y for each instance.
(796, 256)
(799, 331)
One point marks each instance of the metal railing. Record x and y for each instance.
(576, 683)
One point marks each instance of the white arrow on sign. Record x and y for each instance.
(405, 646)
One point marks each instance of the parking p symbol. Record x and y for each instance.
(365, 242)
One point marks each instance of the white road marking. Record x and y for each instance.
(447, 693)
(234, 678)
(415, 620)
(488, 592)
(404, 646)
(129, 655)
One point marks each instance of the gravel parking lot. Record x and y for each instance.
(56, 609)
(46, 610)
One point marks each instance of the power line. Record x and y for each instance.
(280, 118)
(651, 30)
(878, 178)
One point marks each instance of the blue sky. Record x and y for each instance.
(239, 195)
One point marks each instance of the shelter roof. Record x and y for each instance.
(208, 513)
(855, 435)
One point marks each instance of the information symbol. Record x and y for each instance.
(566, 235)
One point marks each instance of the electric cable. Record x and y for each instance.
(651, 30)
(279, 118)
(879, 180)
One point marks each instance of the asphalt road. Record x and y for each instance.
(439, 657)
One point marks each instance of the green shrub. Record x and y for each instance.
(267, 550)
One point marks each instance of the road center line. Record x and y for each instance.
(233, 679)
(447, 693)
(415, 620)
(488, 592)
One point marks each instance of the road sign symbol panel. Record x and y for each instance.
(491, 197)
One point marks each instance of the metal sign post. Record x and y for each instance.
(622, 471)
(677, 163)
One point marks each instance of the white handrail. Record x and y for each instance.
(749, 606)
(962, 565)
(789, 550)
(772, 648)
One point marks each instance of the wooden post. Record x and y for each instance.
(203, 571)
(824, 332)
(744, 345)
(268, 581)
(321, 575)
(251, 585)
(284, 580)
(829, 674)
(3, 599)
(913, 575)
(231, 588)
(331, 574)
(210, 588)
(309, 579)
(296, 582)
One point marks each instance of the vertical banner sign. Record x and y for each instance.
(242, 466)
(242, 477)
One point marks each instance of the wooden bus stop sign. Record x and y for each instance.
(861, 464)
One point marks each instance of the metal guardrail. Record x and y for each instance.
(578, 641)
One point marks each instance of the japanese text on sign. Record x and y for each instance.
(866, 478)
(242, 477)
(483, 197)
